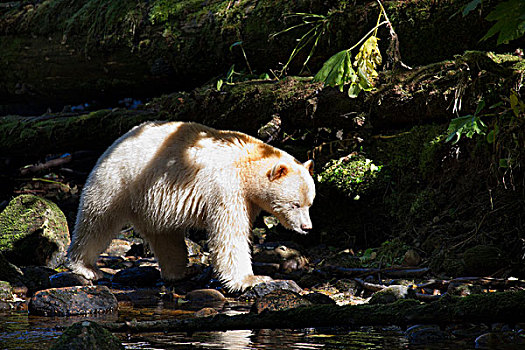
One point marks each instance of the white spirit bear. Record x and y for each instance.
(167, 177)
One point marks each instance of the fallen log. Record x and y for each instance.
(413, 98)
(60, 52)
(508, 307)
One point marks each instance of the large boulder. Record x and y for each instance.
(33, 231)
(69, 301)
(87, 335)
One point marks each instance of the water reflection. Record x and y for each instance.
(310, 339)
(18, 330)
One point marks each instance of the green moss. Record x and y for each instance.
(87, 335)
(33, 229)
(354, 175)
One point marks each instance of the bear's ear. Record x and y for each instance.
(309, 165)
(277, 171)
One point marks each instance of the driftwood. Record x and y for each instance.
(508, 307)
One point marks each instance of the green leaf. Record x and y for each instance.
(237, 43)
(491, 136)
(354, 90)
(510, 21)
(480, 106)
(230, 73)
(471, 6)
(219, 84)
(468, 125)
(337, 71)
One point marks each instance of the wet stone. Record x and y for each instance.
(279, 300)
(10, 272)
(493, 340)
(67, 279)
(118, 247)
(206, 312)
(203, 295)
(389, 295)
(6, 295)
(425, 334)
(68, 301)
(265, 288)
(87, 335)
(319, 299)
(141, 276)
(37, 278)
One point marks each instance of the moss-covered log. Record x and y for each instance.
(403, 98)
(508, 307)
(58, 52)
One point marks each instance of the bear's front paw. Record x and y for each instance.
(253, 280)
(90, 273)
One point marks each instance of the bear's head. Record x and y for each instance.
(289, 193)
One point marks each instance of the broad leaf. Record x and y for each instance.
(337, 71)
(471, 6)
(468, 125)
(510, 21)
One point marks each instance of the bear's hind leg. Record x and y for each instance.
(171, 253)
(90, 239)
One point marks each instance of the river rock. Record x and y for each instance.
(498, 340)
(6, 295)
(87, 335)
(425, 334)
(68, 301)
(261, 289)
(10, 272)
(279, 300)
(289, 259)
(67, 279)
(118, 247)
(33, 231)
(206, 312)
(389, 295)
(205, 296)
(319, 299)
(141, 276)
(37, 278)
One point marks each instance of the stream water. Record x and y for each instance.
(18, 330)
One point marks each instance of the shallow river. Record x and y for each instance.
(20, 331)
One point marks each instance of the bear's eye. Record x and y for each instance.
(295, 206)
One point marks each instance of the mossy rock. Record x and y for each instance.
(33, 231)
(87, 335)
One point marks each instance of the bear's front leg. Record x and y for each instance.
(231, 258)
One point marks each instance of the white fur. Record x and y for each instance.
(167, 177)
